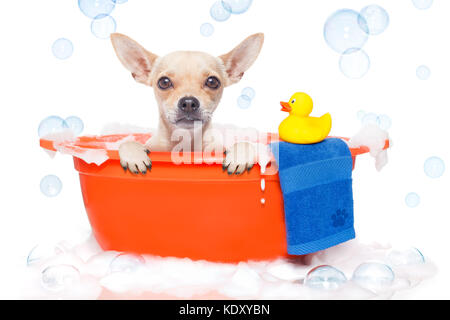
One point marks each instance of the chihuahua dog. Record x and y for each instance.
(188, 87)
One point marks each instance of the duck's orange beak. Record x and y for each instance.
(285, 106)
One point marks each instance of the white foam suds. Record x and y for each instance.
(374, 138)
(121, 128)
(97, 156)
(184, 278)
(60, 136)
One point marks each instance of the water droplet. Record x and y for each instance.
(409, 256)
(376, 17)
(218, 12)
(354, 64)
(434, 167)
(62, 48)
(325, 278)
(244, 102)
(75, 124)
(249, 92)
(369, 118)
(422, 4)
(51, 125)
(103, 26)
(373, 276)
(96, 8)
(412, 200)
(60, 277)
(263, 201)
(207, 29)
(263, 184)
(237, 6)
(51, 185)
(345, 29)
(423, 72)
(126, 262)
(384, 122)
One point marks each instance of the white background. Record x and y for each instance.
(93, 85)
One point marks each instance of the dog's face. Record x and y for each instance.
(188, 85)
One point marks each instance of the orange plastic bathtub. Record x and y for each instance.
(189, 210)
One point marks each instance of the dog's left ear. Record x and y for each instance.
(241, 58)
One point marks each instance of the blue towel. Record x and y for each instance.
(316, 181)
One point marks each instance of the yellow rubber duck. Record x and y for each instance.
(299, 127)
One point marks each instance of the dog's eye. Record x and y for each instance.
(212, 83)
(165, 83)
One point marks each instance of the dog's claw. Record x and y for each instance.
(240, 169)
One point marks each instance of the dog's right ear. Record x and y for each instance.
(134, 57)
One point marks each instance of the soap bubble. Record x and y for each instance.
(354, 64)
(360, 114)
(423, 72)
(62, 48)
(384, 122)
(51, 185)
(218, 12)
(244, 102)
(60, 277)
(373, 276)
(422, 4)
(237, 6)
(344, 30)
(434, 167)
(412, 200)
(75, 124)
(96, 8)
(249, 92)
(50, 125)
(410, 256)
(375, 18)
(43, 251)
(206, 29)
(126, 262)
(369, 118)
(102, 27)
(325, 277)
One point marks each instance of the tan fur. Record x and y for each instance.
(188, 71)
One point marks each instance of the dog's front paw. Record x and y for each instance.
(239, 158)
(134, 157)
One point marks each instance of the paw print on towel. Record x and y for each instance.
(339, 218)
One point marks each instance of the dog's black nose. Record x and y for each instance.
(188, 104)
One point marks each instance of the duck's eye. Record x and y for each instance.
(293, 101)
(165, 83)
(212, 83)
